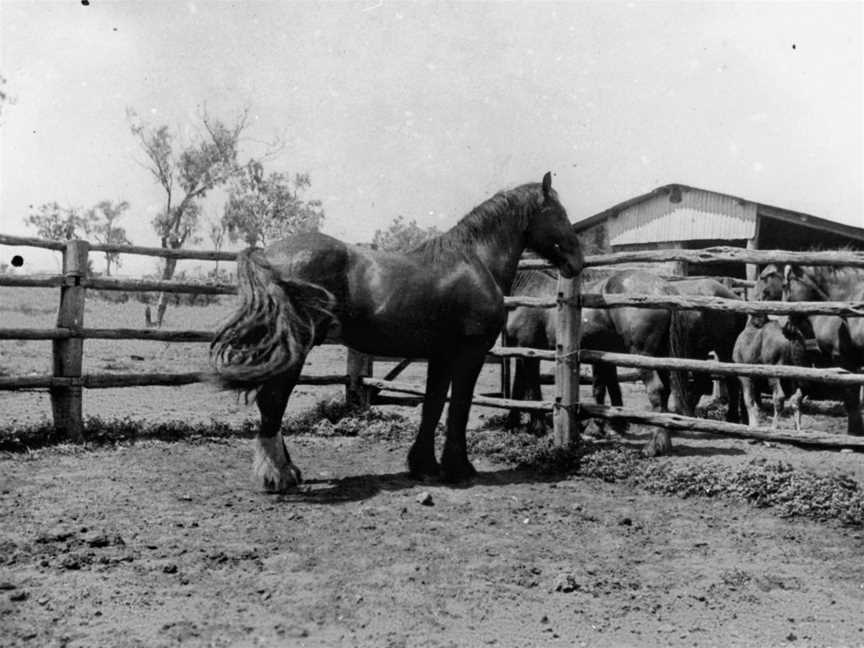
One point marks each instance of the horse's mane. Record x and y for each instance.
(534, 282)
(824, 275)
(486, 222)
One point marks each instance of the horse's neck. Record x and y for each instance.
(840, 284)
(501, 258)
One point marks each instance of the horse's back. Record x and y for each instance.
(312, 256)
(711, 330)
(536, 327)
(643, 330)
(770, 343)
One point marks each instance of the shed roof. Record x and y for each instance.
(769, 211)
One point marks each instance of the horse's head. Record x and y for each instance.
(769, 286)
(551, 235)
(800, 284)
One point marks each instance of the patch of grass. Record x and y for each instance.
(791, 491)
(494, 422)
(332, 411)
(100, 432)
(336, 418)
(524, 450)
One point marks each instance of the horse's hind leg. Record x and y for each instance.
(514, 417)
(657, 389)
(534, 391)
(733, 391)
(605, 380)
(272, 465)
(421, 457)
(658, 395)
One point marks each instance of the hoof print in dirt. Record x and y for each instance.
(19, 596)
(565, 583)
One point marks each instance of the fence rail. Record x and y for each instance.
(67, 337)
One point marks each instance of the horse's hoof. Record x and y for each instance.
(458, 474)
(427, 473)
(422, 466)
(538, 429)
(280, 481)
(658, 446)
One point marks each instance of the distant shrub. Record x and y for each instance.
(173, 299)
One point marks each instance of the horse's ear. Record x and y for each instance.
(769, 270)
(547, 184)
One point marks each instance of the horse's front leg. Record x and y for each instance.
(777, 398)
(466, 367)
(795, 405)
(421, 457)
(272, 466)
(750, 398)
(852, 402)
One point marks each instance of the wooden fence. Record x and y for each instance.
(67, 337)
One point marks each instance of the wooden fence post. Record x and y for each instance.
(568, 329)
(359, 366)
(69, 352)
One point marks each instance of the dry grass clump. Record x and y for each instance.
(776, 484)
(99, 432)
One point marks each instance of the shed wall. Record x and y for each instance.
(698, 215)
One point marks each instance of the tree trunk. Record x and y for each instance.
(167, 273)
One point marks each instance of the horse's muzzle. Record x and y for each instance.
(568, 271)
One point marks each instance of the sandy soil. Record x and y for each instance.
(164, 543)
(160, 544)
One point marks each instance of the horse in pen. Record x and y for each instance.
(641, 331)
(443, 301)
(836, 341)
(768, 341)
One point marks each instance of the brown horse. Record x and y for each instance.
(641, 331)
(535, 327)
(443, 301)
(711, 331)
(840, 340)
(765, 341)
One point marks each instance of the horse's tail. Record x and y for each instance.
(272, 330)
(679, 346)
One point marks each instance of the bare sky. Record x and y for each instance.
(424, 110)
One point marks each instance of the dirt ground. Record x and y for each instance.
(160, 544)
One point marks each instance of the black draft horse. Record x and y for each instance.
(443, 301)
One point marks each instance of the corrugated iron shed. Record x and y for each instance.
(680, 213)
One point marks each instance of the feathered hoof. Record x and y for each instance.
(281, 481)
(659, 445)
(272, 468)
